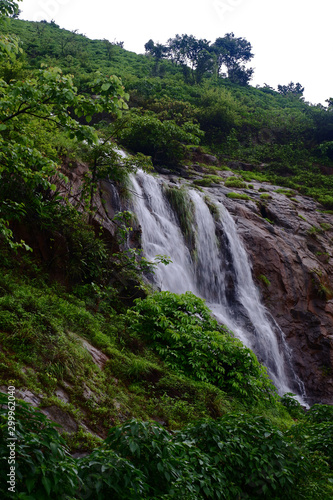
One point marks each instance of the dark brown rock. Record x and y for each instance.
(66, 422)
(297, 261)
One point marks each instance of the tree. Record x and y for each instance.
(192, 54)
(8, 44)
(330, 103)
(240, 75)
(43, 101)
(157, 51)
(232, 53)
(106, 163)
(9, 7)
(109, 47)
(292, 89)
(164, 140)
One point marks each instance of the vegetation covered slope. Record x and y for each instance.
(67, 284)
(274, 132)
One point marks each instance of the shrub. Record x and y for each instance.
(320, 413)
(172, 467)
(162, 140)
(104, 474)
(293, 407)
(181, 330)
(235, 456)
(43, 467)
(254, 455)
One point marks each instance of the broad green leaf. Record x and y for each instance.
(106, 86)
(47, 484)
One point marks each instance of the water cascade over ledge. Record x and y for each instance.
(220, 273)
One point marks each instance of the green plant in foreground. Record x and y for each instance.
(183, 333)
(235, 456)
(43, 467)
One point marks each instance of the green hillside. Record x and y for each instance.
(177, 406)
(277, 133)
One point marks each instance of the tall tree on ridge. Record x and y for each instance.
(232, 53)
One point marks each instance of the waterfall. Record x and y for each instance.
(220, 273)
(161, 235)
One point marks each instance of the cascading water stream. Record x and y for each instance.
(161, 235)
(220, 273)
(240, 309)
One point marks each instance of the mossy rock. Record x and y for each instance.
(238, 196)
(235, 182)
(266, 196)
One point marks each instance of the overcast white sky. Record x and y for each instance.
(291, 39)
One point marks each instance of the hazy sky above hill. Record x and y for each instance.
(291, 39)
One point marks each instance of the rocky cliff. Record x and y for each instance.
(289, 239)
(290, 242)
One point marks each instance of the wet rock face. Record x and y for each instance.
(290, 244)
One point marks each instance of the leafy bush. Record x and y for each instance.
(43, 467)
(171, 465)
(181, 330)
(219, 112)
(293, 407)
(255, 457)
(104, 474)
(236, 456)
(319, 437)
(162, 140)
(320, 413)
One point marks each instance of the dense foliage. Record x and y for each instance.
(236, 456)
(181, 330)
